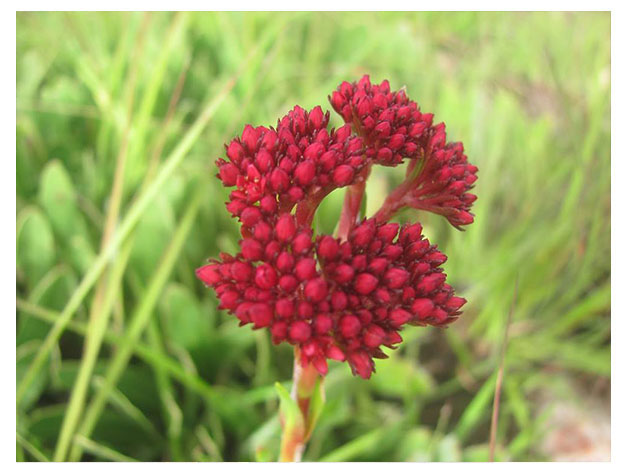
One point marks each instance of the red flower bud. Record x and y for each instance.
(365, 283)
(210, 274)
(279, 332)
(299, 331)
(328, 248)
(279, 180)
(396, 278)
(374, 336)
(265, 276)
(430, 282)
(316, 117)
(316, 290)
(285, 262)
(361, 364)
(288, 283)
(305, 269)
(349, 326)
(370, 283)
(263, 231)
(339, 300)
(343, 175)
(305, 172)
(399, 317)
(260, 315)
(323, 323)
(422, 308)
(301, 243)
(285, 227)
(241, 271)
(284, 308)
(455, 303)
(363, 234)
(252, 249)
(228, 174)
(235, 152)
(344, 273)
(250, 216)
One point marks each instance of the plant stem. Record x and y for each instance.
(293, 441)
(352, 204)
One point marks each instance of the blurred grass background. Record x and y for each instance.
(121, 353)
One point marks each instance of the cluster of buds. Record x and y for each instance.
(393, 128)
(341, 298)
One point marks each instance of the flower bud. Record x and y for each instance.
(422, 308)
(285, 227)
(396, 278)
(288, 283)
(241, 271)
(265, 276)
(209, 274)
(279, 180)
(250, 136)
(344, 274)
(323, 323)
(339, 300)
(365, 283)
(228, 300)
(334, 353)
(250, 216)
(316, 290)
(399, 317)
(279, 332)
(343, 175)
(228, 173)
(305, 172)
(302, 243)
(251, 249)
(285, 262)
(284, 308)
(374, 336)
(299, 331)
(316, 117)
(260, 315)
(361, 363)
(430, 282)
(349, 326)
(328, 248)
(305, 269)
(235, 152)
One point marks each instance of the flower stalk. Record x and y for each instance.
(307, 394)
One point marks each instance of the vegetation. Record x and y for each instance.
(121, 352)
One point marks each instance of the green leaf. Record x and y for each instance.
(400, 377)
(415, 446)
(316, 405)
(183, 321)
(35, 251)
(58, 198)
(292, 417)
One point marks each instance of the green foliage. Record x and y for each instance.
(151, 99)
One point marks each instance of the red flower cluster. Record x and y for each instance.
(340, 298)
(393, 128)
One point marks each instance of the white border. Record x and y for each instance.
(619, 169)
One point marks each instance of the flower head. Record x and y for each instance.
(340, 298)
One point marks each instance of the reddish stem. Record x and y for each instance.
(352, 204)
(303, 386)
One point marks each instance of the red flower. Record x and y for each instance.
(339, 298)
(438, 176)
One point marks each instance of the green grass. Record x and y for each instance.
(122, 354)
